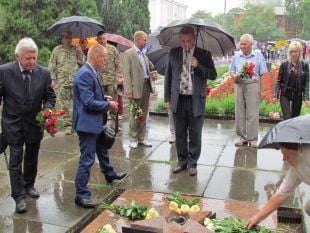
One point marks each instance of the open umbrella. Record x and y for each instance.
(209, 35)
(120, 42)
(80, 26)
(295, 130)
(159, 58)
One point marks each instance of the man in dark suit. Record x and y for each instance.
(186, 76)
(89, 116)
(25, 89)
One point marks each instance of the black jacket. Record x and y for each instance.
(302, 80)
(18, 117)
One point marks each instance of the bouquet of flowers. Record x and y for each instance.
(247, 71)
(107, 228)
(180, 205)
(47, 120)
(134, 211)
(137, 112)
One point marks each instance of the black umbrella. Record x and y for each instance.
(159, 58)
(295, 130)
(80, 26)
(210, 36)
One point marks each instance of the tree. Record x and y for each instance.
(294, 17)
(111, 13)
(306, 20)
(135, 16)
(32, 18)
(203, 15)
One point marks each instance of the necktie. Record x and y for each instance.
(26, 76)
(184, 83)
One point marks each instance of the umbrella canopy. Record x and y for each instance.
(120, 42)
(296, 39)
(159, 58)
(295, 130)
(209, 36)
(80, 26)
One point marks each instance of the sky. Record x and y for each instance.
(213, 6)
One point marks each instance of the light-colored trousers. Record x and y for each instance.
(247, 110)
(137, 130)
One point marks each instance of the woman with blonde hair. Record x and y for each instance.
(292, 86)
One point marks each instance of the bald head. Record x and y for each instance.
(97, 56)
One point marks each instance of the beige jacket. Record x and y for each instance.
(133, 73)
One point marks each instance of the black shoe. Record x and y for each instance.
(32, 192)
(192, 171)
(118, 176)
(85, 203)
(21, 206)
(178, 169)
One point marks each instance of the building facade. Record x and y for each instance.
(163, 12)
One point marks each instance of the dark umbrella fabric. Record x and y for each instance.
(159, 58)
(210, 36)
(295, 130)
(80, 26)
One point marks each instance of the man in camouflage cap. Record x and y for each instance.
(64, 63)
(111, 75)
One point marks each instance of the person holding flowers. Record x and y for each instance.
(247, 67)
(25, 89)
(137, 86)
(292, 87)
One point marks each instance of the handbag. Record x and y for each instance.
(108, 134)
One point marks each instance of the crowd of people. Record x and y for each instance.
(85, 82)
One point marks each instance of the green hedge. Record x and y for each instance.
(226, 106)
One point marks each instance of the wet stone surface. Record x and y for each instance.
(226, 174)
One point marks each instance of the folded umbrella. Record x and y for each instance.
(3, 146)
(295, 130)
(79, 26)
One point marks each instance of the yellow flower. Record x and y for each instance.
(195, 208)
(173, 205)
(152, 213)
(185, 208)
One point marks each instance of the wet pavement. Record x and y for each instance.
(224, 172)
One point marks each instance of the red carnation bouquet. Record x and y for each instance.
(47, 120)
(137, 111)
(247, 71)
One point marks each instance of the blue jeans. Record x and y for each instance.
(88, 149)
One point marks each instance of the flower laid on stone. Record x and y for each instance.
(134, 211)
(230, 224)
(137, 111)
(107, 229)
(180, 205)
(247, 71)
(47, 120)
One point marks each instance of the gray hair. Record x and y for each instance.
(26, 44)
(247, 37)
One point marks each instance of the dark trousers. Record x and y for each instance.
(22, 179)
(187, 127)
(88, 149)
(290, 108)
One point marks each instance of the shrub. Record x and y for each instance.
(160, 105)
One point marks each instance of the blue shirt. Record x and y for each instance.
(255, 57)
(142, 61)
